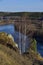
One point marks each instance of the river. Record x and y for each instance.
(10, 30)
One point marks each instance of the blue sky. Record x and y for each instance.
(21, 5)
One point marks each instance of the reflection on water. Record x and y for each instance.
(10, 30)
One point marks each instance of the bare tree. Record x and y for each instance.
(24, 32)
(20, 38)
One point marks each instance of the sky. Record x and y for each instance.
(21, 5)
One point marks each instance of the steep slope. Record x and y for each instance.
(9, 53)
(10, 57)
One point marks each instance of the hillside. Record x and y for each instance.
(10, 57)
(9, 53)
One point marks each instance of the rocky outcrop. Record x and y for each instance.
(7, 40)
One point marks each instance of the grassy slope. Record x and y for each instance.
(10, 57)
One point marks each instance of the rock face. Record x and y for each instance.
(7, 40)
(11, 37)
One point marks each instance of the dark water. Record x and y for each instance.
(40, 48)
(10, 30)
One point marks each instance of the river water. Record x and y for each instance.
(10, 30)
